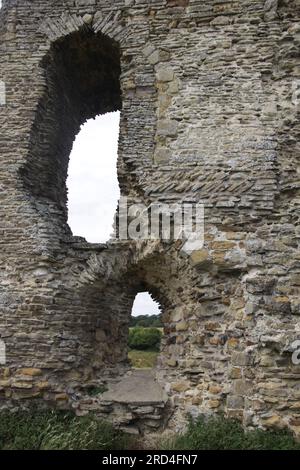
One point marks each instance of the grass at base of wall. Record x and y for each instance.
(219, 433)
(142, 359)
(57, 430)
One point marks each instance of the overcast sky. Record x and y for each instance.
(94, 189)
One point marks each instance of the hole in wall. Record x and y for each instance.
(81, 74)
(145, 332)
(144, 304)
(93, 187)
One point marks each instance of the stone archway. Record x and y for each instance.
(82, 80)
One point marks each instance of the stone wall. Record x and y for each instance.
(209, 112)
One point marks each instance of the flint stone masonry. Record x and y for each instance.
(208, 113)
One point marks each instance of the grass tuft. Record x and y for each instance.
(142, 359)
(60, 430)
(57, 430)
(219, 433)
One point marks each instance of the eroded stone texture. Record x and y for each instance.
(210, 112)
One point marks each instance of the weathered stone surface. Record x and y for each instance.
(199, 257)
(30, 372)
(165, 75)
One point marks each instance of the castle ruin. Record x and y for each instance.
(209, 99)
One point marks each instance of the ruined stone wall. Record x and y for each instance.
(209, 112)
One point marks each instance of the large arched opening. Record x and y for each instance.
(81, 81)
(81, 75)
(145, 333)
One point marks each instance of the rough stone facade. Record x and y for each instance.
(208, 93)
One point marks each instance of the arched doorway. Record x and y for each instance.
(145, 332)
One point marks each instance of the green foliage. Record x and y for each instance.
(57, 430)
(144, 338)
(146, 321)
(218, 433)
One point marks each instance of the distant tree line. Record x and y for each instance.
(146, 321)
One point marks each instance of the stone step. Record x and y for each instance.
(135, 402)
(138, 387)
